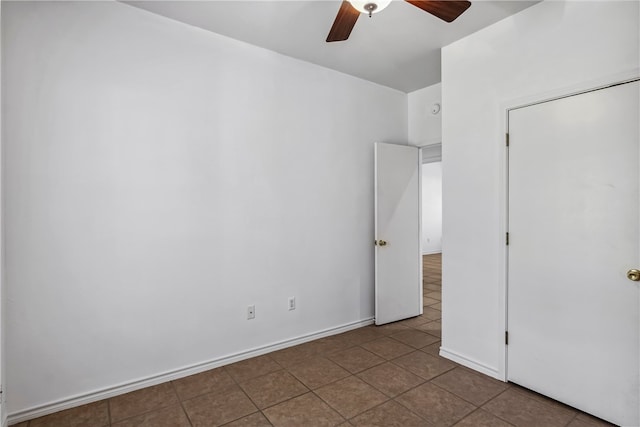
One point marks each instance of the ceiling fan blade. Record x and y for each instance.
(345, 20)
(446, 10)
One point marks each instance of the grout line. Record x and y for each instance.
(372, 408)
(409, 409)
(571, 420)
(175, 390)
(237, 383)
(164, 406)
(490, 413)
(359, 413)
(272, 358)
(491, 400)
(544, 400)
(243, 416)
(275, 404)
(108, 411)
(286, 400)
(450, 392)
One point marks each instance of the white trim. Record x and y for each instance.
(420, 253)
(107, 392)
(470, 363)
(432, 252)
(375, 229)
(503, 263)
(430, 160)
(427, 142)
(503, 113)
(427, 154)
(571, 90)
(3, 293)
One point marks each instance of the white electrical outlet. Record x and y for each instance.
(251, 312)
(292, 303)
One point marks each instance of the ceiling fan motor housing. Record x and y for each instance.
(369, 6)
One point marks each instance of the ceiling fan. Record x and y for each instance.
(447, 10)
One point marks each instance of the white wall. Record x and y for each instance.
(548, 47)
(145, 161)
(425, 128)
(432, 208)
(3, 413)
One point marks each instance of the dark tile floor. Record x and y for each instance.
(387, 376)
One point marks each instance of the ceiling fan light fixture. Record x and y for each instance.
(369, 6)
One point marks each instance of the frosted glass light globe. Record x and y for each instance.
(369, 6)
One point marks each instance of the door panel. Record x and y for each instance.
(574, 232)
(398, 264)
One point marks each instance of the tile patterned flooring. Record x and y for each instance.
(387, 376)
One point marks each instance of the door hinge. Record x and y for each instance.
(506, 337)
(507, 138)
(507, 239)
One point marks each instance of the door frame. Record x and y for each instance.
(430, 153)
(503, 153)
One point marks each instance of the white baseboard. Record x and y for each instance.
(107, 392)
(470, 363)
(432, 253)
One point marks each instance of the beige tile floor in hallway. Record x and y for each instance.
(373, 376)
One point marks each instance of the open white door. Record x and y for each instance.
(574, 217)
(398, 264)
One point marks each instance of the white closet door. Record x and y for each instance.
(574, 228)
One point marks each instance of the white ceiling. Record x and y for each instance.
(398, 47)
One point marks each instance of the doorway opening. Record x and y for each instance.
(431, 226)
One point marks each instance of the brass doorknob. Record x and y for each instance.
(634, 275)
(381, 242)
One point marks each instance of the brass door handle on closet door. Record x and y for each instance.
(634, 275)
(380, 242)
